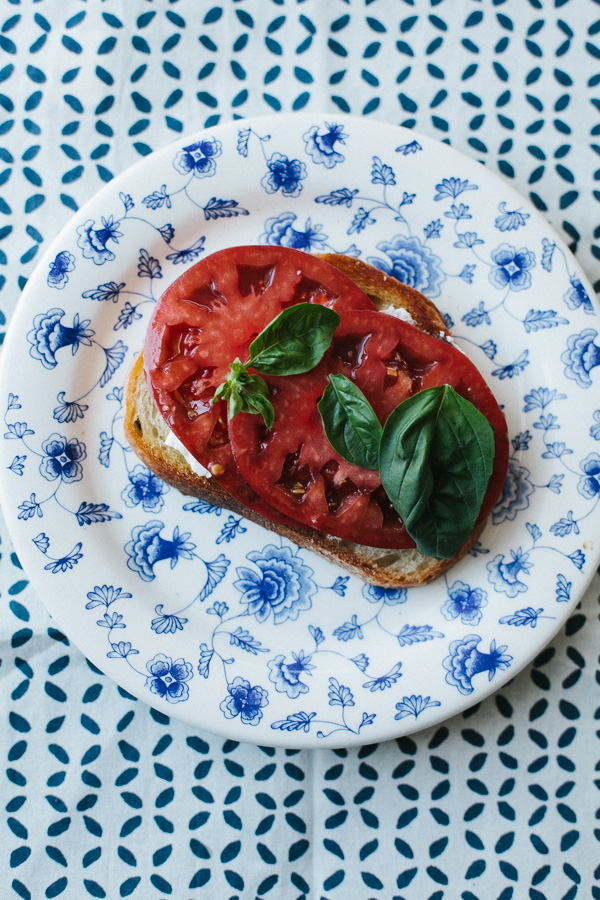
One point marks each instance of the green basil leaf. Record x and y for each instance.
(350, 423)
(235, 378)
(235, 403)
(255, 399)
(244, 392)
(436, 458)
(295, 341)
(256, 403)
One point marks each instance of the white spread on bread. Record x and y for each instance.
(399, 312)
(172, 441)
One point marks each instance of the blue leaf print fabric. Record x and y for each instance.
(103, 794)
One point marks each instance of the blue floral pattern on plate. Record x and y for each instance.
(203, 613)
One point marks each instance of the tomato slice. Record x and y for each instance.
(294, 467)
(206, 319)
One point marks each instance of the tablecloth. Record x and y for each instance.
(105, 797)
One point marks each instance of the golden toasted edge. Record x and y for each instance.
(384, 290)
(380, 567)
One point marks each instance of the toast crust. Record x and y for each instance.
(146, 431)
(386, 291)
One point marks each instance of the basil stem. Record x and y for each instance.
(350, 423)
(436, 458)
(295, 341)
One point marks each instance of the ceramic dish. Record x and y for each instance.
(207, 616)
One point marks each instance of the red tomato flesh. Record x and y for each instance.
(207, 318)
(294, 467)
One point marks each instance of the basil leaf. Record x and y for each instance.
(350, 423)
(292, 343)
(255, 400)
(244, 392)
(295, 341)
(436, 458)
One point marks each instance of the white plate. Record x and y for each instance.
(207, 616)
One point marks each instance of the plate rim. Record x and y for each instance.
(233, 728)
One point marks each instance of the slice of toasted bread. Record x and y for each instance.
(147, 433)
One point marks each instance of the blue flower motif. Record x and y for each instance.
(321, 147)
(505, 575)
(65, 563)
(540, 398)
(68, 410)
(198, 159)
(589, 483)
(527, 616)
(206, 655)
(145, 488)
(468, 239)
(578, 296)
(285, 174)
(42, 541)
(459, 212)
(231, 529)
(414, 706)
(63, 263)
(168, 678)
(515, 493)
(521, 441)
(382, 682)
(110, 621)
(62, 459)
(361, 662)
(465, 602)
(407, 149)
(548, 248)
(121, 650)
(283, 587)
(510, 220)
(360, 221)
(390, 596)
(165, 623)
(433, 229)
(30, 508)
(412, 263)
(512, 268)
(18, 465)
(452, 187)
(158, 199)
(280, 231)
(577, 558)
(286, 676)
(147, 547)
(188, 254)
(93, 241)
(49, 334)
(511, 370)
(465, 661)
(105, 595)
(563, 590)
(167, 232)
(467, 273)
(244, 701)
(595, 429)
(489, 348)
(580, 357)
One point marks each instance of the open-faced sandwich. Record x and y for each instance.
(324, 400)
